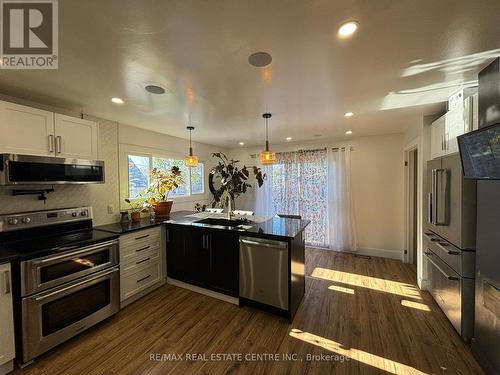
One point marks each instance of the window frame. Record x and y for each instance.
(126, 149)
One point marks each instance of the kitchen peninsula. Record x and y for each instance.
(256, 261)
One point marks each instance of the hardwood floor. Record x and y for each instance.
(367, 314)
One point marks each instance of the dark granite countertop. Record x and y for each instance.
(123, 228)
(274, 227)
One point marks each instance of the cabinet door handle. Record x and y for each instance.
(58, 144)
(6, 284)
(168, 235)
(51, 143)
(144, 278)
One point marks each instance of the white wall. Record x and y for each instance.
(378, 189)
(100, 196)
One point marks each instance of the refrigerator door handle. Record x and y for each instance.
(429, 208)
(441, 189)
(434, 196)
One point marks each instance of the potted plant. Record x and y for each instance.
(162, 183)
(227, 180)
(135, 210)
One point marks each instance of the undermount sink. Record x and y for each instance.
(222, 222)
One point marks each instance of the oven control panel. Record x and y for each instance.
(39, 218)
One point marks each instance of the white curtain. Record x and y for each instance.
(264, 205)
(341, 222)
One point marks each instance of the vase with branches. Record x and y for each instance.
(232, 180)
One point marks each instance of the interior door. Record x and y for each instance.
(26, 130)
(75, 137)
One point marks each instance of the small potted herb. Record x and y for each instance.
(135, 210)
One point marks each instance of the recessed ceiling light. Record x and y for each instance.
(348, 132)
(349, 114)
(260, 59)
(288, 138)
(348, 28)
(242, 143)
(117, 100)
(155, 89)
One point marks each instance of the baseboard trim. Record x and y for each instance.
(381, 253)
(197, 289)
(7, 367)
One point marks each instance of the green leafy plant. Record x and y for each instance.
(162, 183)
(233, 179)
(135, 206)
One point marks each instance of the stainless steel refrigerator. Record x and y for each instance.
(450, 241)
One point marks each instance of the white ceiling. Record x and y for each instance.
(407, 56)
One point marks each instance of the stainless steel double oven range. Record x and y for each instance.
(66, 276)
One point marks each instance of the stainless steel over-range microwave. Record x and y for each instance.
(33, 170)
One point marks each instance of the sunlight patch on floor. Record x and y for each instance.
(373, 360)
(374, 283)
(415, 305)
(341, 289)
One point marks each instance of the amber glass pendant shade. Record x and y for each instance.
(190, 160)
(266, 156)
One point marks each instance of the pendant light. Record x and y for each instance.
(266, 156)
(190, 160)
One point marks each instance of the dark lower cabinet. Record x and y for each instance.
(197, 258)
(204, 257)
(175, 252)
(224, 273)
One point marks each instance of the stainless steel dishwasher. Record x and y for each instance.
(264, 271)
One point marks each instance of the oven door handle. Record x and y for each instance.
(98, 275)
(79, 252)
(449, 277)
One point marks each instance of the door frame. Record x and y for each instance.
(408, 254)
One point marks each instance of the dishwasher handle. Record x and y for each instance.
(257, 242)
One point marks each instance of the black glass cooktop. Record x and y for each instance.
(29, 244)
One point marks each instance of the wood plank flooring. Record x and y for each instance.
(367, 315)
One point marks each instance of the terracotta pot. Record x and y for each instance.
(162, 209)
(135, 216)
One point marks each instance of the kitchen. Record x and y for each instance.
(192, 201)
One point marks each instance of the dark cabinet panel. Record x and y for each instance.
(175, 252)
(204, 257)
(197, 256)
(224, 251)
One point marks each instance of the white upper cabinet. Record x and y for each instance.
(75, 137)
(7, 349)
(26, 130)
(437, 138)
(31, 131)
(445, 130)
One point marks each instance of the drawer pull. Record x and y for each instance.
(142, 249)
(142, 261)
(449, 277)
(144, 278)
(442, 246)
(141, 237)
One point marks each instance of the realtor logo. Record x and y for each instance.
(29, 34)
